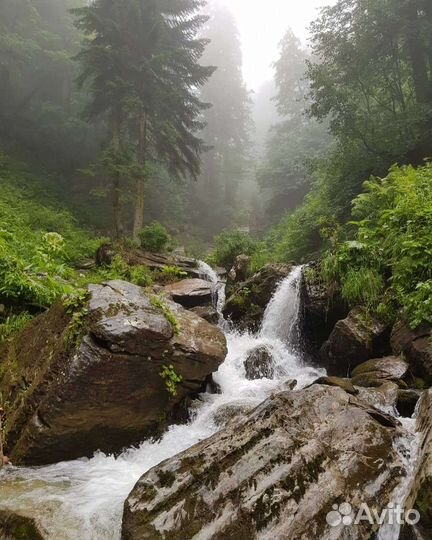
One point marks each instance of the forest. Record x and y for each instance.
(134, 151)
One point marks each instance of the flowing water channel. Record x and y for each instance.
(83, 499)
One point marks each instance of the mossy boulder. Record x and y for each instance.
(245, 307)
(274, 473)
(105, 378)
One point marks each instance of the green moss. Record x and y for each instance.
(158, 303)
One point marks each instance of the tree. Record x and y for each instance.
(141, 59)
(297, 141)
(228, 124)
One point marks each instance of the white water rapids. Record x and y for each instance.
(83, 499)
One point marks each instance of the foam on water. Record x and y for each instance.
(83, 499)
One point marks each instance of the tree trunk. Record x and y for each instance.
(416, 51)
(115, 187)
(141, 182)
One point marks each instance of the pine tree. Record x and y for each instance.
(142, 58)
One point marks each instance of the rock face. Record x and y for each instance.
(416, 345)
(354, 340)
(259, 364)
(96, 382)
(421, 493)
(246, 305)
(273, 474)
(322, 309)
(191, 293)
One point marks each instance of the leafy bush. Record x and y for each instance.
(387, 264)
(155, 237)
(170, 274)
(229, 244)
(12, 325)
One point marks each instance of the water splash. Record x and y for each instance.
(209, 274)
(84, 498)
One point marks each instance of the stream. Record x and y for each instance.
(83, 499)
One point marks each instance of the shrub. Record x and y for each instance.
(229, 244)
(387, 263)
(155, 237)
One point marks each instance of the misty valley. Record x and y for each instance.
(215, 270)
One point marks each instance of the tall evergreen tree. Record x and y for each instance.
(142, 58)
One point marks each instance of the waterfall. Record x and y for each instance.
(209, 274)
(83, 499)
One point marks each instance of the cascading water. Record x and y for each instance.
(209, 274)
(83, 499)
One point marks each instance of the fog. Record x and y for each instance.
(261, 31)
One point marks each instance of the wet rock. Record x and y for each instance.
(230, 411)
(191, 293)
(97, 384)
(17, 527)
(274, 474)
(382, 397)
(322, 309)
(246, 305)
(416, 346)
(420, 497)
(208, 313)
(407, 401)
(354, 340)
(259, 364)
(389, 367)
(345, 384)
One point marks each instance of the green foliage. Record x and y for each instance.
(172, 380)
(170, 274)
(39, 242)
(159, 303)
(155, 237)
(13, 325)
(387, 264)
(229, 244)
(119, 269)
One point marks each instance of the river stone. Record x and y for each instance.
(259, 364)
(74, 389)
(420, 497)
(191, 293)
(383, 397)
(274, 474)
(354, 340)
(245, 307)
(345, 384)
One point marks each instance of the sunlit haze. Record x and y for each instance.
(262, 25)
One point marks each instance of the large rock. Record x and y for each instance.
(246, 305)
(354, 340)
(273, 474)
(376, 372)
(259, 364)
(416, 346)
(209, 313)
(420, 497)
(191, 293)
(96, 382)
(322, 309)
